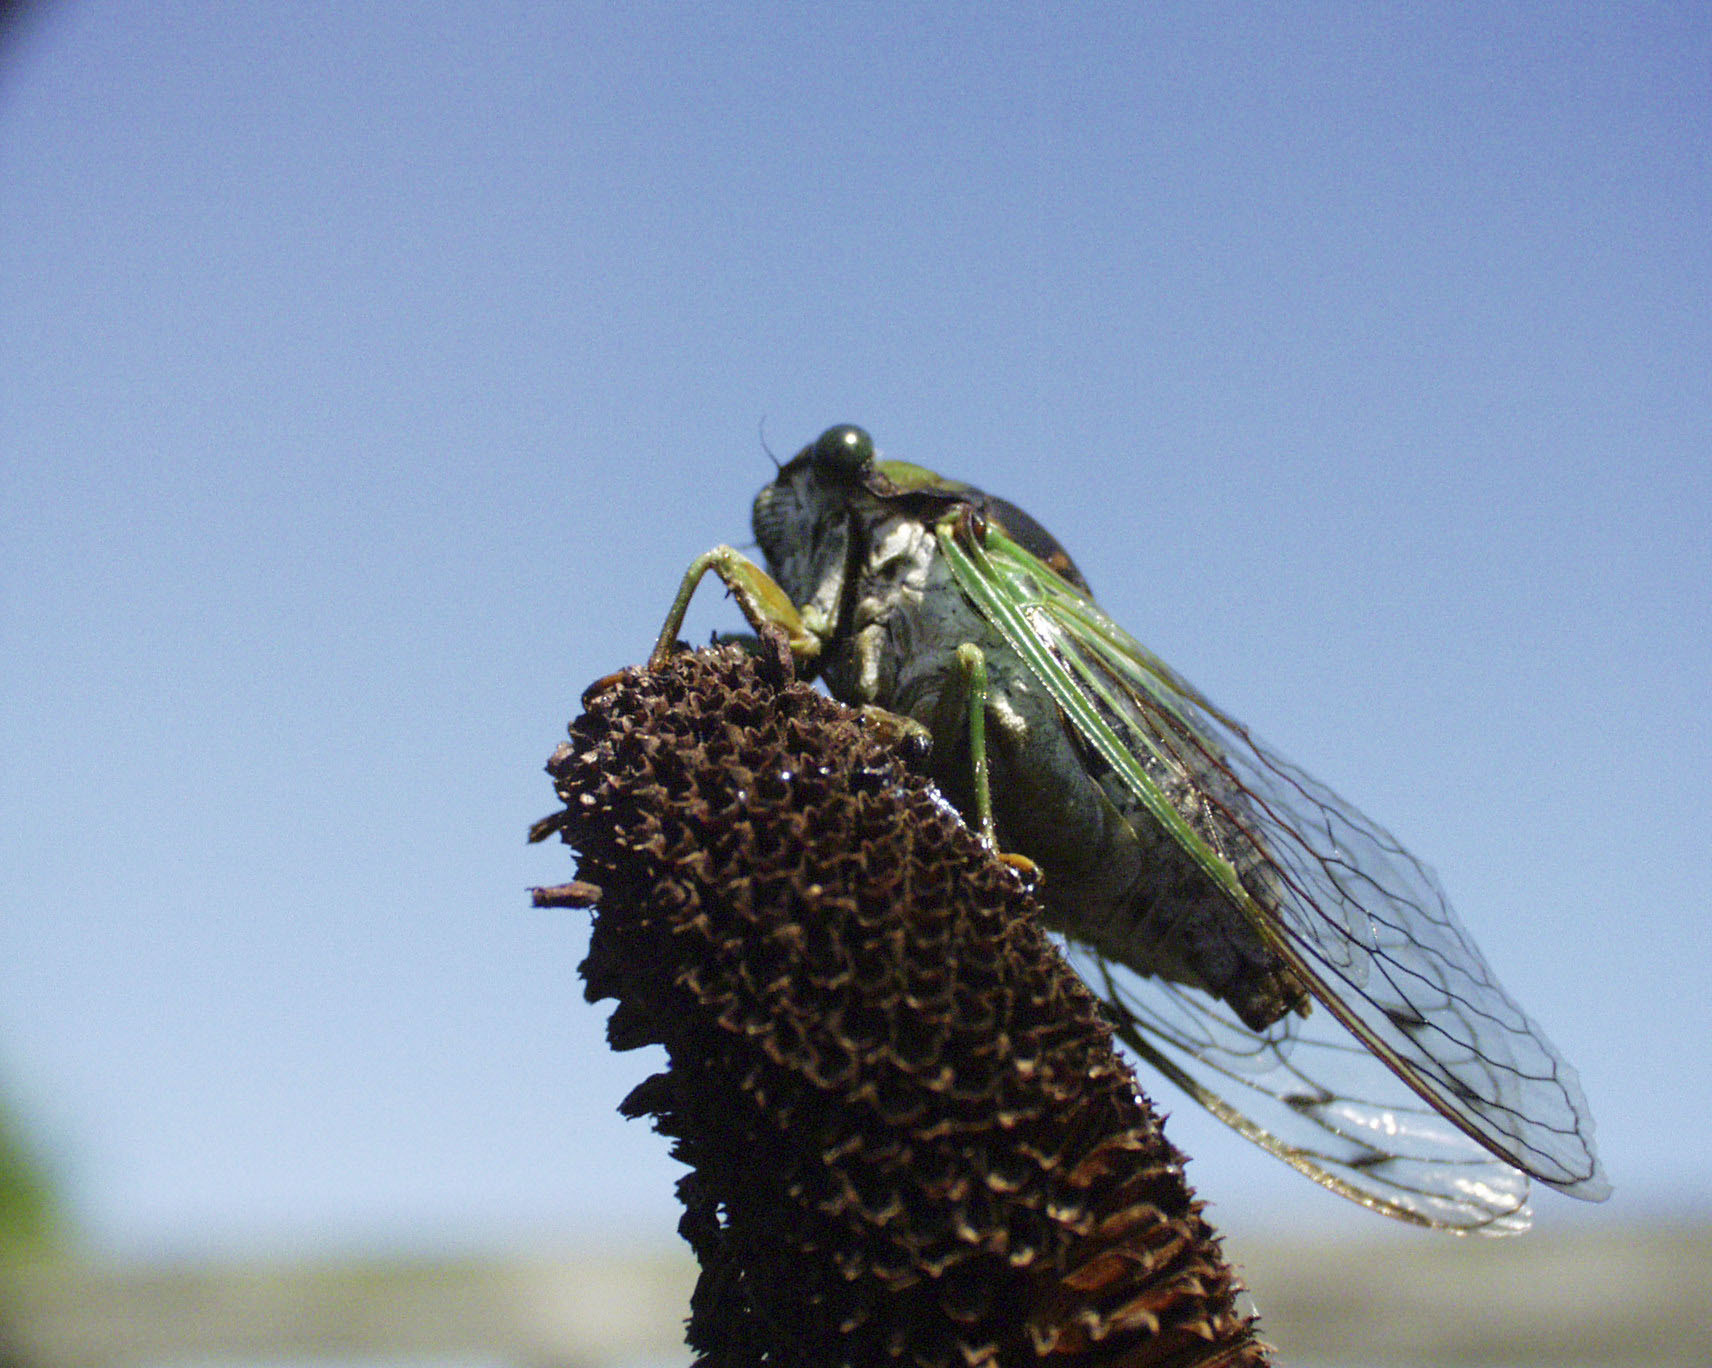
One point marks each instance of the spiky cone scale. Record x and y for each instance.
(909, 1137)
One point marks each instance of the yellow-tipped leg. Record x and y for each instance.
(973, 665)
(762, 602)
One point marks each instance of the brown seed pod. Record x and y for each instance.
(909, 1137)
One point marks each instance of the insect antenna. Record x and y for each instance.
(761, 430)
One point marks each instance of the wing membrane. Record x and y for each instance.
(1364, 923)
(1306, 1091)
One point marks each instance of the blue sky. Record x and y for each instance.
(369, 373)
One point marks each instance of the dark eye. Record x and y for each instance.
(847, 448)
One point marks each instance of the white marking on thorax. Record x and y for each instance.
(894, 580)
(900, 557)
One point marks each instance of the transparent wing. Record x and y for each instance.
(1308, 1092)
(1364, 923)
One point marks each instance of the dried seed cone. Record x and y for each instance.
(909, 1137)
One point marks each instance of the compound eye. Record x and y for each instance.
(846, 448)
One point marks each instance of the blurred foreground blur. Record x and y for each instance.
(1606, 1297)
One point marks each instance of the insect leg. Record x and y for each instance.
(900, 732)
(762, 602)
(972, 666)
(972, 672)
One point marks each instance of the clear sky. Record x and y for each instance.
(369, 373)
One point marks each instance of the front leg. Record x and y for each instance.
(762, 602)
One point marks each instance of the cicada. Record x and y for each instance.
(1265, 946)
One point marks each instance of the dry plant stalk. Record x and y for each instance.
(909, 1137)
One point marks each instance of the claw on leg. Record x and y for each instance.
(600, 686)
(896, 730)
(1025, 867)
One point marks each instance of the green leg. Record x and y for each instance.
(974, 668)
(763, 603)
(972, 664)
